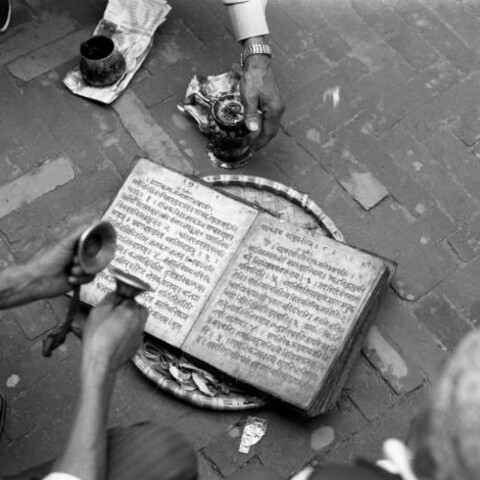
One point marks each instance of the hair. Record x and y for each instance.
(446, 434)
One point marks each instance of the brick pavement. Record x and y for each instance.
(395, 165)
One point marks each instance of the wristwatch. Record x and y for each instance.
(255, 49)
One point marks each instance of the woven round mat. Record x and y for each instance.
(181, 377)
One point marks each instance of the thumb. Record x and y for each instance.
(252, 118)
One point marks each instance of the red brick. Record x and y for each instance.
(287, 36)
(6, 258)
(472, 7)
(149, 136)
(461, 164)
(417, 343)
(44, 59)
(88, 13)
(173, 80)
(388, 108)
(174, 41)
(25, 125)
(368, 152)
(35, 319)
(223, 452)
(350, 70)
(444, 109)
(307, 101)
(461, 290)
(309, 18)
(416, 51)
(398, 372)
(27, 222)
(421, 270)
(9, 465)
(299, 70)
(286, 446)
(30, 36)
(345, 419)
(415, 157)
(394, 423)
(205, 469)
(206, 27)
(33, 449)
(351, 27)
(299, 167)
(368, 391)
(434, 80)
(430, 228)
(378, 17)
(466, 240)
(202, 426)
(459, 19)
(438, 315)
(438, 35)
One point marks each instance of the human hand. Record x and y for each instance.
(262, 100)
(55, 269)
(113, 332)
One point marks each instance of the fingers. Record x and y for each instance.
(270, 127)
(262, 100)
(75, 280)
(252, 116)
(77, 276)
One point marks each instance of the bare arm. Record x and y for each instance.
(112, 335)
(85, 454)
(53, 270)
(264, 105)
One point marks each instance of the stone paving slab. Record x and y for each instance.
(395, 164)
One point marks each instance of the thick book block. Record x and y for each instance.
(277, 307)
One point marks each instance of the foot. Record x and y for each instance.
(5, 14)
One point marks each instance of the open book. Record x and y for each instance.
(277, 307)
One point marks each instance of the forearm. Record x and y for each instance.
(14, 286)
(85, 452)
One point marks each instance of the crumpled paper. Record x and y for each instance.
(254, 430)
(202, 92)
(131, 25)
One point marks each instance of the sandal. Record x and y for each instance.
(3, 412)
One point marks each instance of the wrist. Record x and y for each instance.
(96, 369)
(256, 51)
(252, 40)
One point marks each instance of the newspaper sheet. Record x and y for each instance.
(131, 26)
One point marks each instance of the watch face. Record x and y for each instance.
(228, 110)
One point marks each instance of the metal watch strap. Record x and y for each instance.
(255, 49)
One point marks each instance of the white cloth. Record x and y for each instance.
(247, 18)
(398, 459)
(60, 476)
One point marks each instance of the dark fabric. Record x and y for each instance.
(5, 14)
(255, 472)
(362, 470)
(145, 451)
(3, 411)
(149, 452)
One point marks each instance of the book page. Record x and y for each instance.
(284, 309)
(177, 235)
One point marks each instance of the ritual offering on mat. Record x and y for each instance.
(277, 308)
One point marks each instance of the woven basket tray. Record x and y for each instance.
(179, 376)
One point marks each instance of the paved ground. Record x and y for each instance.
(396, 165)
